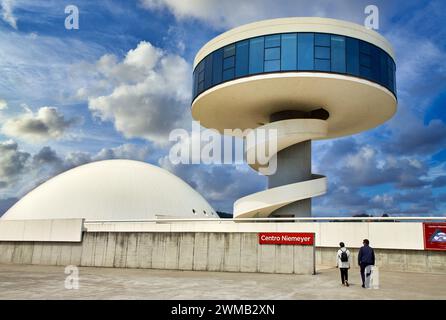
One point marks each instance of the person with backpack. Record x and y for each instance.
(366, 257)
(343, 263)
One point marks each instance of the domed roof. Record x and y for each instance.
(112, 190)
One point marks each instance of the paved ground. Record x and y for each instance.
(45, 282)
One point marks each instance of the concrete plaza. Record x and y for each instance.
(48, 282)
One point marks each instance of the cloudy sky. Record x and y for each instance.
(116, 87)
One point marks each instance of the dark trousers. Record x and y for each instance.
(363, 266)
(344, 274)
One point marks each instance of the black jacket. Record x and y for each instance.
(366, 256)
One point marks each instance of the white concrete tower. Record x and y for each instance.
(308, 78)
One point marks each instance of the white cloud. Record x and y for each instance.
(3, 104)
(7, 7)
(415, 64)
(385, 200)
(125, 151)
(221, 185)
(46, 124)
(150, 93)
(143, 56)
(357, 161)
(12, 162)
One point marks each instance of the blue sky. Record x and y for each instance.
(118, 85)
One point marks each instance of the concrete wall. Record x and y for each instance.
(67, 230)
(391, 260)
(382, 235)
(234, 252)
(213, 251)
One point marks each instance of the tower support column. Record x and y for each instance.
(293, 165)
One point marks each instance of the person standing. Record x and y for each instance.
(343, 263)
(366, 257)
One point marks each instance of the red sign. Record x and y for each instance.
(303, 239)
(434, 236)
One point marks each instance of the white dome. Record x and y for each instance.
(112, 190)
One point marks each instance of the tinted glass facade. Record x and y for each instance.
(305, 51)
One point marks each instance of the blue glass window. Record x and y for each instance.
(208, 72)
(241, 59)
(383, 66)
(305, 51)
(322, 64)
(393, 76)
(365, 72)
(229, 51)
(195, 82)
(295, 52)
(256, 54)
(272, 41)
(375, 60)
(289, 52)
(364, 60)
(228, 74)
(322, 39)
(352, 52)
(200, 66)
(272, 65)
(200, 87)
(272, 54)
(229, 63)
(392, 70)
(322, 52)
(364, 47)
(201, 76)
(338, 54)
(217, 67)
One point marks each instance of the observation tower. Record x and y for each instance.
(308, 78)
